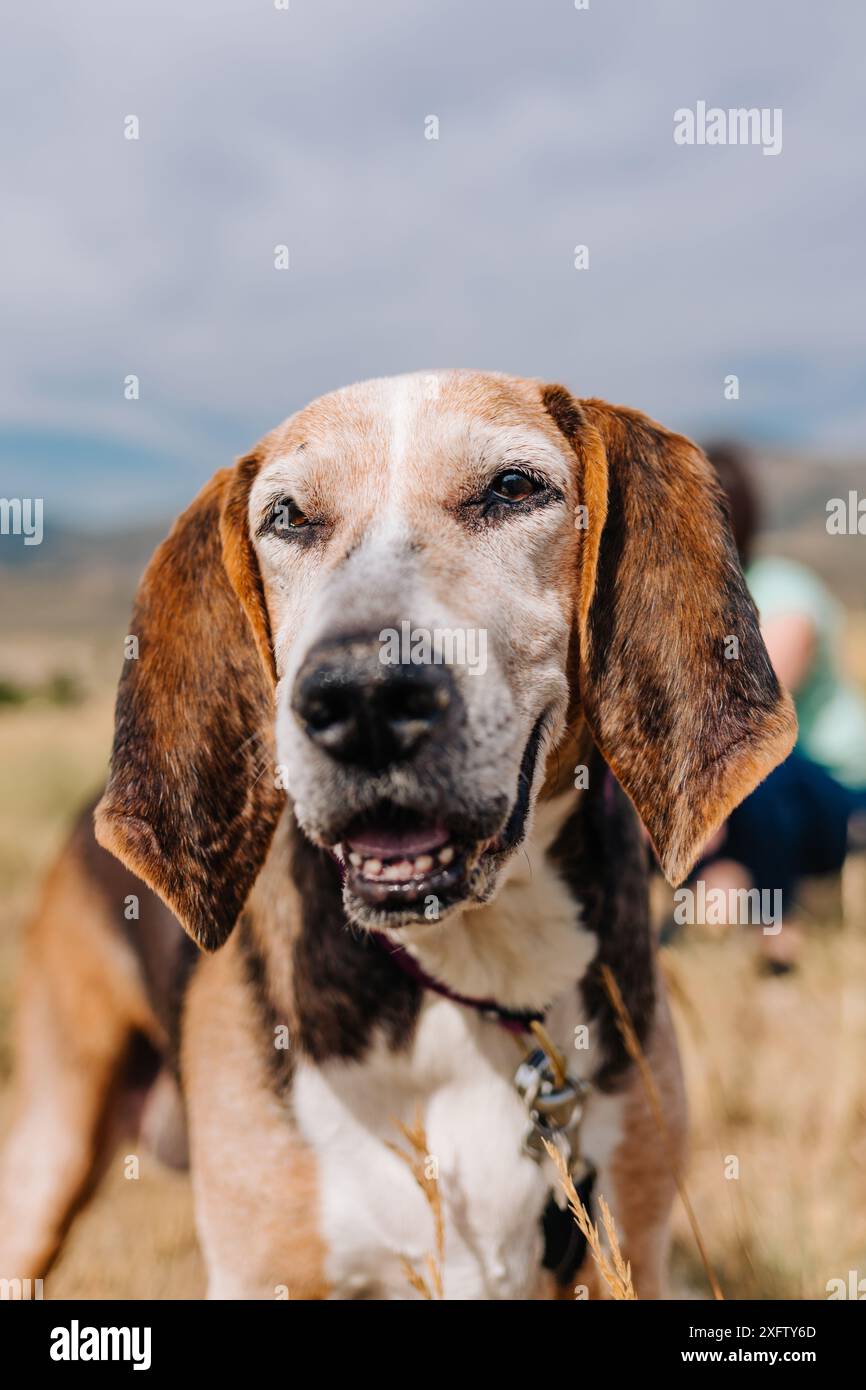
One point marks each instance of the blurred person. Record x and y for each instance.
(795, 824)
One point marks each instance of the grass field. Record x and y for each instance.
(774, 1070)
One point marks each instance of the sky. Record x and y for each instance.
(305, 127)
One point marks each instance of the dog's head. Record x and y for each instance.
(397, 610)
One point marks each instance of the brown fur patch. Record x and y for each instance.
(645, 1165)
(81, 1001)
(191, 803)
(688, 732)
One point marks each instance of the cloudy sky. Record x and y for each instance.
(306, 128)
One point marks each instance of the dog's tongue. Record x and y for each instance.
(388, 843)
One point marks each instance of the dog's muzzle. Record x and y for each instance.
(410, 844)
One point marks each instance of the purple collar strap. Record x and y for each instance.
(512, 1020)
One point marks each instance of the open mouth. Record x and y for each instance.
(394, 859)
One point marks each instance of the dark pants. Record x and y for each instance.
(793, 826)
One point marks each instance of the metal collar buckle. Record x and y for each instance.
(555, 1106)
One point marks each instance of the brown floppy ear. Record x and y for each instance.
(674, 677)
(191, 803)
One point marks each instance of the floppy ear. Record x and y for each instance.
(191, 804)
(674, 679)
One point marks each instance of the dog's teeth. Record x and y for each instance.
(397, 873)
(404, 871)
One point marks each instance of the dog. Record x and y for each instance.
(392, 871)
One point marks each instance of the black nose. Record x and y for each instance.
(364, 711)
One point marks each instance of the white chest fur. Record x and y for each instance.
(458, 1074)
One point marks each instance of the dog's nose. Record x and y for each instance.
(364, 711)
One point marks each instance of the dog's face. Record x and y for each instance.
(397, 610)
(416, 542)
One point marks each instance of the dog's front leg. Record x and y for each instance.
(256, 1200)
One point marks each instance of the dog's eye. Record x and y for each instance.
(285, 516)
(513, 486)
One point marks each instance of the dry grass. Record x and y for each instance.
(775, 1082)
(51, 758)
(616, 1272)
(418, 1161)
(774, 1071)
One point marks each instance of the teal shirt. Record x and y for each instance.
(831, 712)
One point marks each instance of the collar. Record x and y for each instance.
(513, 1020)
